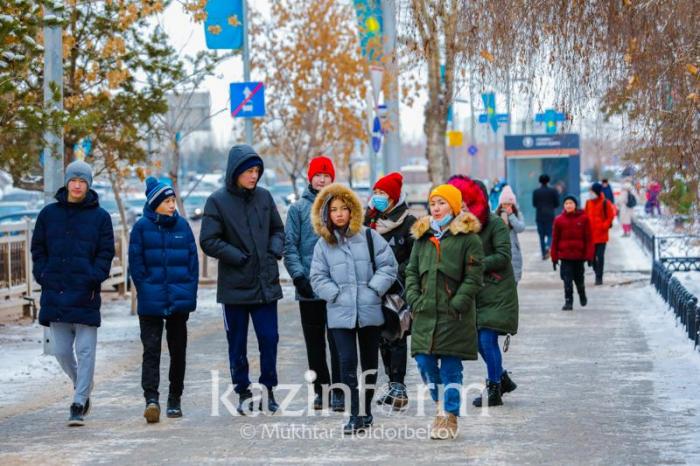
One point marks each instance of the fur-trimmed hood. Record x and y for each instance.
(464, 223)
(319, 211)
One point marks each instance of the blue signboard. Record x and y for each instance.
(247, 99)
(223, 27)
(546, 142)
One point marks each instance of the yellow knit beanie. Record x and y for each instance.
(452, 195)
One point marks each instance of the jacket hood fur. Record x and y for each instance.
(464, 223)
(319, 211)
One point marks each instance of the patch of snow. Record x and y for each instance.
(691, 281)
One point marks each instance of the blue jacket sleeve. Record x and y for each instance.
(292, 241)
(39, 251)
(104, 252)
(137, 264)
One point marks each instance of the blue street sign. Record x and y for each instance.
(472, 150)
(247, 99)
(491, 117)
(550, 117)
(223, 28)
(376, 134)
(500, 118)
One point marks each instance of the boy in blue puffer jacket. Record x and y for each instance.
(164, 266)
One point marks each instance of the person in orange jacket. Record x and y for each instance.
(601, 213)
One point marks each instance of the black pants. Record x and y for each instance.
(572, 272)
(313, 324)
(347, 340)
(544, 230)
(394, 355)
(599, 260)
(151, 337)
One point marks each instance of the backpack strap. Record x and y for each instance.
(370, 247)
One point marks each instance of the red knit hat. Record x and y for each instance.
(391, 184)
(321, 164)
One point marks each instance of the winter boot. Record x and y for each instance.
(272, 405)
(582, 297)
(86, 408)
(493, 392)
(76, 415)
(568, 305)
(598, 281)
(152, 411)
(507, 385)
(451, 425)
(318, 402)
(174, 409)
(355, 424)
(245, 403)
(338, 401)
(385, 397)
(367, 421)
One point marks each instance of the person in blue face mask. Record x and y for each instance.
(388, 214)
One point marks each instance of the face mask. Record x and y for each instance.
(442, 222)
(381, 203)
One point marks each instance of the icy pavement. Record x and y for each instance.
(613, 383)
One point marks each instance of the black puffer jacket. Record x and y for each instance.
(243, 229)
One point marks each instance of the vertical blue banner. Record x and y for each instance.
(223, 28)
(370, 25)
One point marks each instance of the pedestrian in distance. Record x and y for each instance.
(352, 281)
(300, 240)
(513, 218)
(443, 278)
(497, 301)
(72, 250)
(164, 267)
(601, 213)
(608, 190)
(545, 200)
(572, 246)
(242, 228)
(626, 202)
(387, 214)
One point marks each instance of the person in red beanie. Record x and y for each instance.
(387, 213)
(300, 240)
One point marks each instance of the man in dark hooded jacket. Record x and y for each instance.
(243, 230)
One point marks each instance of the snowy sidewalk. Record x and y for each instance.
(614, 383)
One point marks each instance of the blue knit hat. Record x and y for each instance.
(78, 170)
(246, 165)
(157, 192)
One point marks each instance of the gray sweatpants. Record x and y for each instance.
(82, 370)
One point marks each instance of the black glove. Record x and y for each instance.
(554, 265)
(590, 263)
(303, 286)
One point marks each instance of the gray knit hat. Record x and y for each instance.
(79, 170)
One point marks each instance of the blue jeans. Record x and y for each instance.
(264, 318)
(448, 373)
(491, 354)
(544, 230)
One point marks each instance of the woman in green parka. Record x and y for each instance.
(497, 302)
(443, 277)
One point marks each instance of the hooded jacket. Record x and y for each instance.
(341, 269)
(443, 279)
(300, 238)
(243, 230)
(572, 237)
(163, 263)
(72, 251)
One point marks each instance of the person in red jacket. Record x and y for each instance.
(601, 213)
(572, 245)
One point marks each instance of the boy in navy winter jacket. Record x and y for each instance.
(164, 266)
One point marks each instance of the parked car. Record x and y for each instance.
(194, 204)
(416, 184)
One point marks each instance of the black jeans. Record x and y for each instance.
(313, 324)
(599, 260)
(544, 230)
(347, 340)
(394, 355)
(151, 337)
(572, 272)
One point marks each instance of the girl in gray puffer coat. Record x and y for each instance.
(342, 275)
(513, 218)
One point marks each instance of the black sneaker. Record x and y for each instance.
(76, 415)
(174, 409)
(598, 281)
(338, 402)
(583, 299)
(568, 306)
(318, 402)
(272, 405)
(245, 403)
(86, 408)
(367, 421)
(152, 411)
(355, 424)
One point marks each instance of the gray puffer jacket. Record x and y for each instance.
(516, 225)
(341, 269)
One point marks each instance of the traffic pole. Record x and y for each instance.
(392, 139)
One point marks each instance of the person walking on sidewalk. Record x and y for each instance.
(513, 218)
(626, 202)
(443, 277)
(352, 281)
(242, 228)
(497, 301)
(300, 239)
(164, 266)
(387, 213)
(545, 200)
(72, 250)
(601, 213)
(572, 245)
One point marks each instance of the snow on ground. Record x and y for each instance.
(691, 281)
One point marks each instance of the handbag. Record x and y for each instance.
(397, 316)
